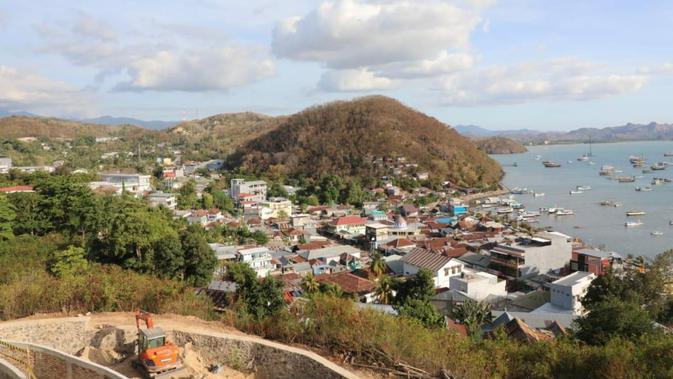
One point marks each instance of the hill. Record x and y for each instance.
(499, 145)
(343, 138)
(43, 127)
(151, 124)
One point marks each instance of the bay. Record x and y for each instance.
(597, 225)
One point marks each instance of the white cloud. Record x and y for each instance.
(172, 63)
(662, 69)
(445, 63)
(359, 33)
(199, 70)
(25, 90)
(557, 80)
(353, 80)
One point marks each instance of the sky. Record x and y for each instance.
(499, 64)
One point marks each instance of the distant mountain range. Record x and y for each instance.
(110, 120)
(628, 132)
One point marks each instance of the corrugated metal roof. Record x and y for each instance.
(425, 259)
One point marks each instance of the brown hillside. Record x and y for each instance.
(499, 145)
(343, 137)
(42, 127)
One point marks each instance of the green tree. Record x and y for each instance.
(68, 262)
(7, 218)
(377, 265)
(207, 200)
(384, 290)
(260, 237)
(354, 194)
(419, 287)
(260, 297)
(613, 318)
(187, 196)
(277, 190)
(331, 289)
(313, 200)
(169, 258)
(200, 260)
(309, 284)
(474, 315)
(330, 189)
(423, 312)
(29, 219)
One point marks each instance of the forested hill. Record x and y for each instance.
(344, 138)
(43, 127)
(499, 145)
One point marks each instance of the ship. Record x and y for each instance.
(659, 166)
(551, 164)
(630, 224)
(606, 170)
(635, 213)
(644, 189)
(626, 179)
(583, 188)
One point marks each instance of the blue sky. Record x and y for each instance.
(499, 64)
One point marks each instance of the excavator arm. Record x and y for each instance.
(146, 317)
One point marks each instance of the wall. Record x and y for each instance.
(8, 371)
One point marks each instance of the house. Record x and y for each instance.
(224, 254)
(348, 226)
(5, 164)
(133, 183)
(457, 208)
(302, 220)
(351, 284)
(16, 189)
(442, 267)
(529, 256)
(330, 253)
(567, 293)
(409, 210)
(275, 208)
(256, 189)
(199, 216)
(159, 198)
(259, 258)
(476, 285)
(595, 261)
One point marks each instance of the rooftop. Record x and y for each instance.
(425, 259)
(574, 278)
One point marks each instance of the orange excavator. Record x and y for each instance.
(157, 358)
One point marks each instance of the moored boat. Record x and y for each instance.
(658, 167)
(551, 164)
(657, 233)
(626, 179)
(565, 212)
(635, 213)
(644, 189)
(583, 188)
(576, 192)
(630, 224)
(538, 194)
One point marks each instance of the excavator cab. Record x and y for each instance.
(157, 357)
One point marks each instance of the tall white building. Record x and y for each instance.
(567, 292)
(132, 183)
(5, 164)
(254, 190)
(259, 258)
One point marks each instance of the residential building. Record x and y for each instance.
(330, 254)
(275, 208)
(16, 189)
(256, 189)
(354, 285)
(159, 198)
(5, 164)
(302, 220)
(408, 210)
(441, 266)
(348, 226)
(477, 286)
(567, 292)
(457, 208)
(259, 258)
(529, 256)
(595, 261)
(132, 183)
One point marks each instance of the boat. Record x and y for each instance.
(583, 188)
(634, 159)
(644, 189)
(551, 164)
(504, 210)
(606, 170)
(610, 203)
(565, 212)
(520, 191)
(583, 158)
(647, 171)
(669, 154)
(635, 213)
(630, 224)
(538, 194)
(659, 166)
(626, 179)
(670, 222)
(576, 192)
(657, 181)
(656, 233)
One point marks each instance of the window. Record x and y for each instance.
(446, 271)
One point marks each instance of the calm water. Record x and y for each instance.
(598, 225)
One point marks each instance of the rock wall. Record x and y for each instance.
(68, 335)
(9, 371)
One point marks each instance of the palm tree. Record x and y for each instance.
(377, 264)
(474, 315)
(309, 284)
(384, 290)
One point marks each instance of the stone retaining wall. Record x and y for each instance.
(8, 371)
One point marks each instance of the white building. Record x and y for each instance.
(529, 256)
(255, 188)
(476, 285)
(132, 183)
(442, 267)
(259, 258)
(275, 208)
(159, 198)
(567, 292)
(5, 164)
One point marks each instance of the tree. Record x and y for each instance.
(260, 298)
(200, 260)
(423, 312)
(377, 264)
(355, 195)
(331, 289)
(277, 190)
(207, 200)
(384, 290)
(187, 196)
(613, 318)
(419, 287)
(68, 262)
(474, 315)
(330, 189)
(260, 237)
(169, 258)
(223, 201)
(7, 217)
(309, 284)
(29, 219)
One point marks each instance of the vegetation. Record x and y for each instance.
(499, 145)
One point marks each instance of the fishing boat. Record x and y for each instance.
(626, 179)
(669, 154)
(635, 213)
(610, 203)
(520, 191)
(583, 158)
(657, 181)
(503, 211)
(565, 212)
(551, 164)
(630, 224)
(606, 170)
(644, 189)
(583, 188)
(659, 166)
(538, 194)
(656, 233)
(635, 159)
(576, 192)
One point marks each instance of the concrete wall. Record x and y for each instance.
(8, 371)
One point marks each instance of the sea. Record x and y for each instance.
(598, 226)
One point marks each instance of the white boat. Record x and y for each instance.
(670, 222)
(635, 213)
(538, 194)
(576, 192)
(657, 233)
(631, 224)
(565, 212)
(505, 210)
(644, 189)
(552, 210)
(583, 188)
(583, 158)
(538, 157)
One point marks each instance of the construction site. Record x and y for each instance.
(139, 345)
